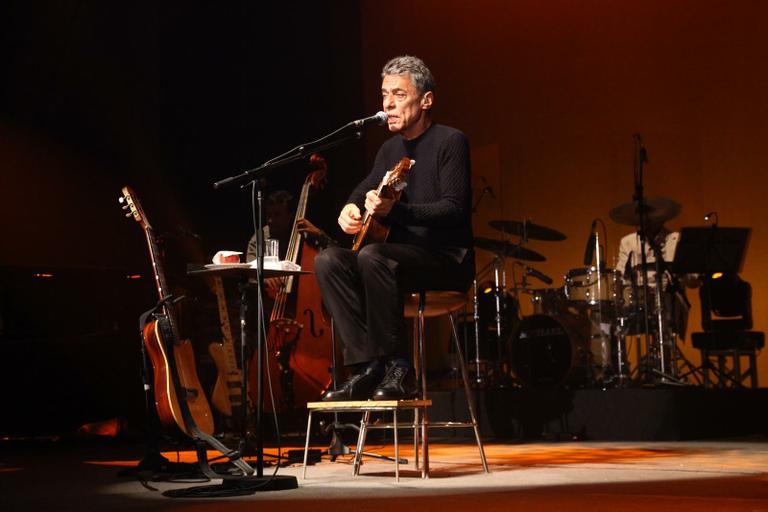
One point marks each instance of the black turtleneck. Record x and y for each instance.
(435, 208)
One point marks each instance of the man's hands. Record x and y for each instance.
(378, 206)
(350, 219)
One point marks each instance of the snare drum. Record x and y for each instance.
(586, 285)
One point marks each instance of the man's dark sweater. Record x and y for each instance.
(435, 208)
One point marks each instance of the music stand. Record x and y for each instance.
(705, 250)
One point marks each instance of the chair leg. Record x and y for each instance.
(360, 443)
(752, 369)
(468, 393)
(417, 372)
(423, 382)
(722, 371)
(738, 377)
(306, 447)
(416, 438)
(397, 447)
(706, 366)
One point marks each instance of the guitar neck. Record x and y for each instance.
(160, 283)
(228, 345)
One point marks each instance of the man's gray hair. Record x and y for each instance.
(420, 74)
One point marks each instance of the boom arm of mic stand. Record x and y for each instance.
(298, 153)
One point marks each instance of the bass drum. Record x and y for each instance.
(549, 301)
(551, 351)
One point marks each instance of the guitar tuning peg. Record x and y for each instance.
(121, 199)
(128, 215)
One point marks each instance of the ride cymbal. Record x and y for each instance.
(532, 231)
(503, 248)
(658, 211)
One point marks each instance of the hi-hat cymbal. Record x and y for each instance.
(658, 210)
(531, 230)
(501, 247)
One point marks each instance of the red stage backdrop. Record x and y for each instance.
(550, 94)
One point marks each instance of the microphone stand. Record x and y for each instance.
(298, 153)
(600, 366)
(660, 355)
(642, 210)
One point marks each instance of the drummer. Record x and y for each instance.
(630, 258)
(629, 264)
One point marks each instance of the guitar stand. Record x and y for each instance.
(153, 461)
(232, 484)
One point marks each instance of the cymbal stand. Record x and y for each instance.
(499, 280)
(499, 283)
(664, 349)
(640, 158)
(476, 321)
(623, 322)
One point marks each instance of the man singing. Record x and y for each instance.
(429, 246)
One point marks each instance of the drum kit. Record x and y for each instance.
(577, 334)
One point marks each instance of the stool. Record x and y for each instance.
(418, 306)
(366, 407)
(716, 350)
(429, 304)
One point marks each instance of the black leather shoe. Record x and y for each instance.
(399, 384)
(359, 386)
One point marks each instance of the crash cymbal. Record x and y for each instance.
(659, 210)
(501, 247)
(531, 230)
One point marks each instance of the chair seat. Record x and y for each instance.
(740, 340)
(437, 304)
(362, 405)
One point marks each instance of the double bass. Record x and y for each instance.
(299, 331)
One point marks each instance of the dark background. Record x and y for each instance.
(166, 97)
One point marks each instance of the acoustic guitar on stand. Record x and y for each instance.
(391, 187)
(161, 337)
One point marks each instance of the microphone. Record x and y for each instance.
(378, 118)
(590, 249)
(710, 215)
(538, 275)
